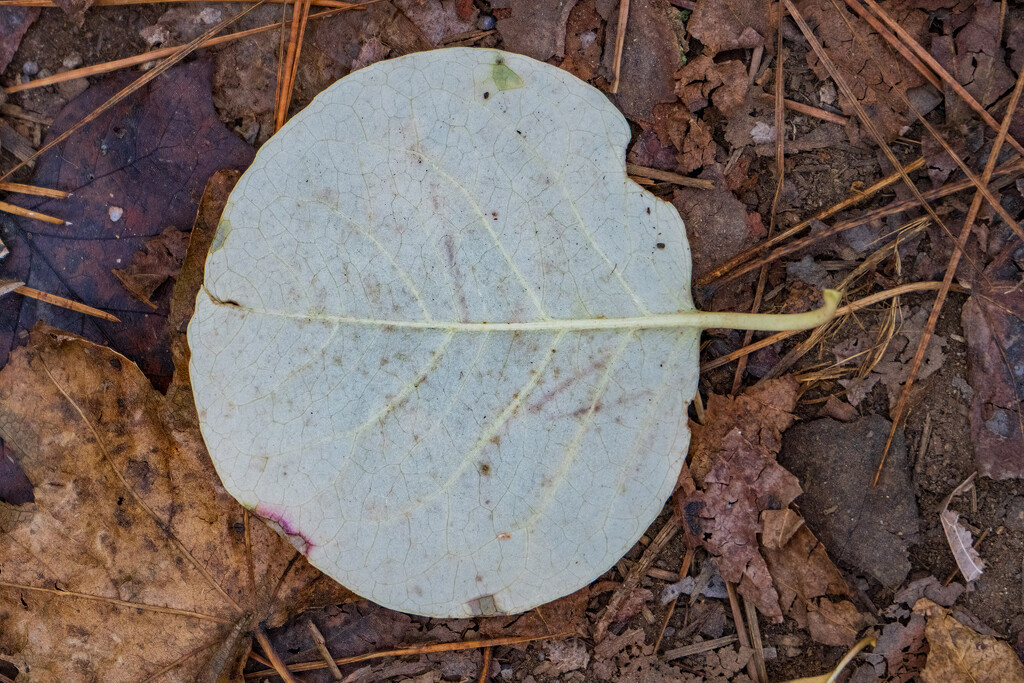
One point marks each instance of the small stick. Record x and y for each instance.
(21, 188)
(321, 645)
(684, 569)
(697, 648)
(115, 65)
(416, 650)
(741, 629)
(28, 213)
(632, 579)
(275, 659)
(55, 300)
(14, 111)
(808, 110)
(669, 177)
(755, 639)
(620, 42)
(485, 667)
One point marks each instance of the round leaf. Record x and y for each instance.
(423, 346)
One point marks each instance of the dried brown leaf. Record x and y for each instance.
(133, 558)
(959, 653)
(159, 261)
(812, 591)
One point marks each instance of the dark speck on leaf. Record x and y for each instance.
(486, 95)
(660, 245)
(648, 211)
(116, 364)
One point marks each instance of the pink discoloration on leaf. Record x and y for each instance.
(279, 522)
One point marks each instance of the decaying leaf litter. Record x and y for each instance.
(719, 131)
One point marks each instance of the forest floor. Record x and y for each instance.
(777, 553)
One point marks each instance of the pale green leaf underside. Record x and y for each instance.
(347, 386)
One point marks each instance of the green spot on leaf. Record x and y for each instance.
(504, 77)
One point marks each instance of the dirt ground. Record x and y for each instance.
(828, 164)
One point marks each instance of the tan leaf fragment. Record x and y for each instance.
(133, 559)
(959, 653)
(960, 540)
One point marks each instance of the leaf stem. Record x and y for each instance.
(705, 320)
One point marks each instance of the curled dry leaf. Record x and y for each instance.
(959, 538)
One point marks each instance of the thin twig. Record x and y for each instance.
(275, 659)
(755, 640)
(182, 52)
(485, 667)
(698, 648)
(620, 42)
(415, 650)
(900, 47)
(636, 573)
(940, 298)
(21, 188)
(321, 646)
(780, 178)
(127, 62)
(15, 210)
(741, 629)
(55, 300)
(684, 569)
(747, 254)
(808, 110)
(669, 177)
(127, 604)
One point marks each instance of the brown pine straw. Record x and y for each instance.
(21, 188)
(15, 210)
(413, 650)
(620, 42)
(808, 110)
(755, 639)
(865, 120)
(947, 280)
(55, 300)
(869, 300)
(280, 668)
(1006, 172)
(741, 630)
(684, 569)
(747, 254)
(975, 180)
(180, 54)
(115, 65)
(900, 47)
(484, 668)
(289, 66)
(934, 65)
(669, 177)
(636, 573)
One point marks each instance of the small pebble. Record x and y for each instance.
(115, 213)
(486, 22)
(72, 61)
(30, 68)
